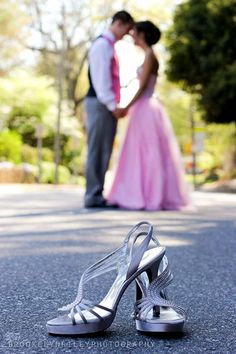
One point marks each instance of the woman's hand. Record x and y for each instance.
(119, 113)
(125, 111)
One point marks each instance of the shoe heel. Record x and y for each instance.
(152, 273)
(153, 311)
(143, 282)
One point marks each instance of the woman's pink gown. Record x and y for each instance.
(149, 174)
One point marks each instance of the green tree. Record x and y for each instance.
(202, 51)
(12, 34)
(25, 101)
(66, 30)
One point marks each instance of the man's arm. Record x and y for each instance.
(100, 56)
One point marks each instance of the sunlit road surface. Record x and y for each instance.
(47, 239)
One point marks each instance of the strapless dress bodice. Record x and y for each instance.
(150, 88)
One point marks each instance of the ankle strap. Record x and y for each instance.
(137, 255)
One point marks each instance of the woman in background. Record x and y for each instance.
(150, 174)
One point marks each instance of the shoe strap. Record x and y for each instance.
(137, 254)
(115, 260)
(154, 297)
(106, 264)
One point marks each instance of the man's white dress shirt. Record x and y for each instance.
(100, 59)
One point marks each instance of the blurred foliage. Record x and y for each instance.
(202, 50)
(176, 103)
(220, 143)
(12, 34)
(29, 154)
(25, 101)
(81, 22)
(47, 155)
(74, 156)
(48, 172)
(10, 146)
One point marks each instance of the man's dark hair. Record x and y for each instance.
(123, 16)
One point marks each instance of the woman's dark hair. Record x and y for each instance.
(123, 16)
(151, 32)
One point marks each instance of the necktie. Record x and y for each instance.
(114, 71)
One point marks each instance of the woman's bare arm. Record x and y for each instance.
(145, 75)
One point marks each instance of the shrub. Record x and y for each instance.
(10, 146)
(29, 154)
(47, 155)
(48, 172)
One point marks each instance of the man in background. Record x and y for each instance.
(101, 105)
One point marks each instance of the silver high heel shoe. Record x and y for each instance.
(130, 260)
(153, 311)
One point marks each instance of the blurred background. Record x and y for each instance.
(43, 81)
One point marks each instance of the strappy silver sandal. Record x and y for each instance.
(153, 311)
(85, 316)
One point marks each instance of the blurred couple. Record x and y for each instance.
(149, 175)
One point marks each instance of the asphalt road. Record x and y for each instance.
(47, 240)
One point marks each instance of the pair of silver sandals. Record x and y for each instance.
(153, 311)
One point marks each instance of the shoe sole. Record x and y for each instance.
(89, 328)
(145, 326)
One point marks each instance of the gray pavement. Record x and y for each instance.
(47, 240)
